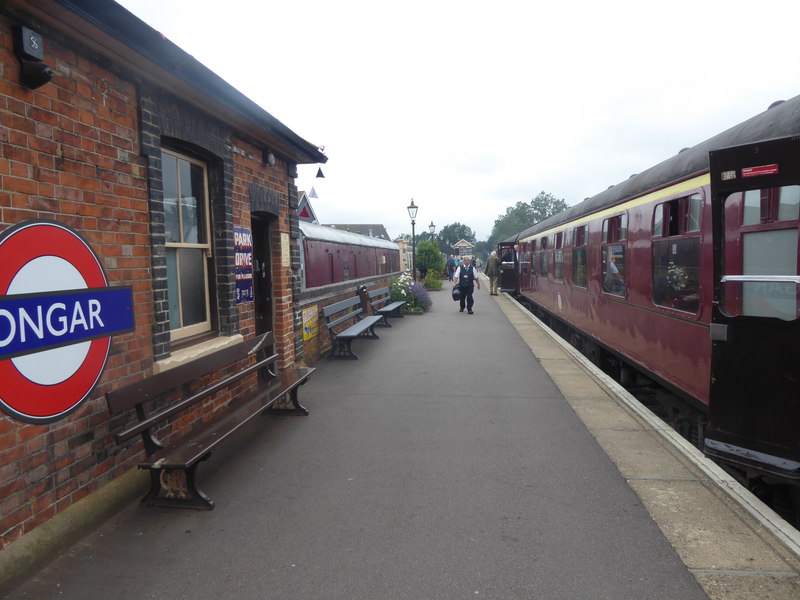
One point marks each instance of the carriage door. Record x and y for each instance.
(262, 274)
(508, 267)
(754, 404)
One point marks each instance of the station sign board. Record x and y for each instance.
(57, 316)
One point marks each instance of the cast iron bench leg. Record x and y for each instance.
(298, 409)
(341, 350)
(176, 488)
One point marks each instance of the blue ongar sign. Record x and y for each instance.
(38, 322)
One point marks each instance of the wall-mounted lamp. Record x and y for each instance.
(269, 158)
(29, 48)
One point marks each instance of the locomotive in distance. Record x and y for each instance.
(687, 275)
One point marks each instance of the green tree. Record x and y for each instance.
(524, 214)
(429, 258)
(457, 231)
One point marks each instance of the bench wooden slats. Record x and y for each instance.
(173, 467)
(174, 409)
(197, 444)
(383, 307)
(345, 311)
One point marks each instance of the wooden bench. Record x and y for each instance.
(382, 305)
(340, 315)
(173, 466)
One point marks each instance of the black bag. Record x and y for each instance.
(456, 293)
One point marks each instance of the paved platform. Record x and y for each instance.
(449, 462)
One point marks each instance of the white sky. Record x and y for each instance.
(471, 106)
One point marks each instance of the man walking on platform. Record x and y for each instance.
(493, 272)
(465, 277)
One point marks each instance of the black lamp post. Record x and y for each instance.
(432, 228)
(412, 212)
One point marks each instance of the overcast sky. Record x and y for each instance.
(469, 107)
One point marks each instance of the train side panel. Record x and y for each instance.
(671, 344)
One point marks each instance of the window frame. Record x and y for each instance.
(614, 234)
(673, 227)
(187, 331)
(579, 248)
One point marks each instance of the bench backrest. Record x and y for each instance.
(135, 394)
(339, 312)
(383, 299)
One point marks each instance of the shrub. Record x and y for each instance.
(432, 281)
(414, 294)
(421, 297)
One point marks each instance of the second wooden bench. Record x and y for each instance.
(346, 323)
(380, 301)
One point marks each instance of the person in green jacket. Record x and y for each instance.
(492, 271)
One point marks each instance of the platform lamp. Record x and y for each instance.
(412, 212)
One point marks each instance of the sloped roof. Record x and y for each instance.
(375, 230)
(329, 234)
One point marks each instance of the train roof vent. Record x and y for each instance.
(776, 103)
(632, 176)
(682, 150)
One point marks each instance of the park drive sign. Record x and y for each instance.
(57, 316)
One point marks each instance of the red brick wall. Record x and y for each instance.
(69, 151)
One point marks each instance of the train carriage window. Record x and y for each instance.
(558, 258)
(579, 274)
(676, 253)
(761, 270)
(615, 230)
(543, 270)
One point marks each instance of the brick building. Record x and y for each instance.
(155, 161)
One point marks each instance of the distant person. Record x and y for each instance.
(492, 271)
(507, 256)
(452, 264)
(466, 278)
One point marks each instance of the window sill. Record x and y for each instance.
(190, 353)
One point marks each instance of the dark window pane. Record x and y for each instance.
(614, 269)
(173, 296)
(192, 276)
(579, 276)
(676, 273)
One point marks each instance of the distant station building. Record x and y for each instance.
(464, 248)
(148, 217)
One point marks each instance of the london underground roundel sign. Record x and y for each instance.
(57, 316)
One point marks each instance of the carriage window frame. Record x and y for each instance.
(772, 300)
(612, 255)
(184, 245)
(678, 216)
(580, 273)
(676, 254)
(544, 263)
(558, 258)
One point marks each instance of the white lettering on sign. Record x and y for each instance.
(57, 320)
(243, 239)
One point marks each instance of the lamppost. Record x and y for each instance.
(432, 228)
(412, 212)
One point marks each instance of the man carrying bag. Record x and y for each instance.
(466, 277)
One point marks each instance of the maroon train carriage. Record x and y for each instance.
(688, 274)
(332, 255)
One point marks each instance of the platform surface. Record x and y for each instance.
(448, 462)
